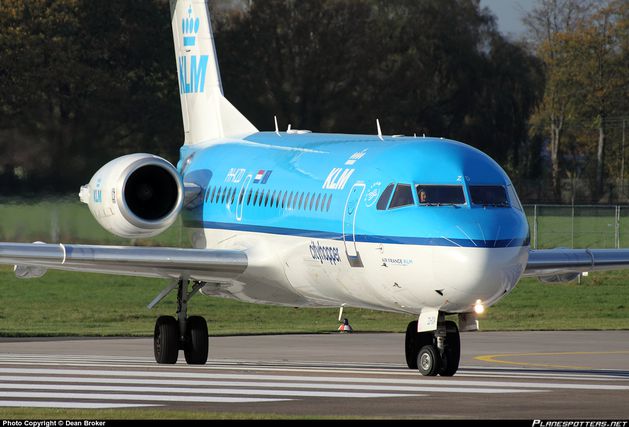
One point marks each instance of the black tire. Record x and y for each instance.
(429, 360)
(166, 340)
(197, 343)
(411, 345)
(452, 350)
(414, 342)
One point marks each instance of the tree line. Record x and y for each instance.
(584, 46)
(83, 82)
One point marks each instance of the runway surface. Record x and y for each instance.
(507, 375)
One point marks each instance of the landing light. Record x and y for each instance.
(479, 308)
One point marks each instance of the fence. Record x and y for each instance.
(578, 226)
(67, 220)
(551, 226)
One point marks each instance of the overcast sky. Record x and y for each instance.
(509, 14)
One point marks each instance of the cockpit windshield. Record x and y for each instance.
(438, 195)
(489, 195)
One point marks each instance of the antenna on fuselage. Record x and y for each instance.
(277, 128)
(379, 130)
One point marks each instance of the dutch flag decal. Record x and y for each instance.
(262, 177)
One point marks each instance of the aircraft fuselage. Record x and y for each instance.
(309, 210)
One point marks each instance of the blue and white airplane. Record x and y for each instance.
(425, 226)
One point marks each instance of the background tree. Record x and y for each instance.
(545, 23)
(82, 82)
(595, 48)
(434, 67)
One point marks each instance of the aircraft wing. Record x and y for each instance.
(552, 262)
(33, 259)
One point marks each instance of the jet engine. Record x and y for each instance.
(135, 196)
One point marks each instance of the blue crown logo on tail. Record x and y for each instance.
(192, 67)
(189, 28)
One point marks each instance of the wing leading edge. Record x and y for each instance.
(547, 262)
(200, 264)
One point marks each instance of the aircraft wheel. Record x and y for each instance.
(414, 342)
(197, 342)
(429, 360)
(452, 350)
(411, 345)
(166, 340)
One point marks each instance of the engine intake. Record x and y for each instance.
(133, 196)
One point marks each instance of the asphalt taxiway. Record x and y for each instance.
(503, 375)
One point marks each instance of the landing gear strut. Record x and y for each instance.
(185, 333)
(434, 353)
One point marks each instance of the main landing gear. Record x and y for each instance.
(436, 352)
(184, 333)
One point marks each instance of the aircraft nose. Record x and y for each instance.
(471, 273)
(488, 257)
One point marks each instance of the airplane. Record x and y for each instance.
(425, 226)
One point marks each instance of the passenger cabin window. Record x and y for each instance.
(301, 200)
(232, 197)
(384, 198)
(403, 196)
(439, 195)
(489, 195)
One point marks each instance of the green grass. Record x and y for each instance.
(82, 304)
(66, 304)
(69, 304)
(147, 414)
(591, 227)
(600, 302)
(67, 220)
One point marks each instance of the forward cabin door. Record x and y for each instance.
(349, 218)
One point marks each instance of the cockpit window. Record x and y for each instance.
(513, 197)
(489, 195)
(437, 195)
(403, 196)
(384, 198)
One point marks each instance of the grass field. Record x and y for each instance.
(581, 227)
(70, 304)
(66, 220)
(147, 414)
(81, 304)
(99, 305)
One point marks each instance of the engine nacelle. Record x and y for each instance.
(135, 196)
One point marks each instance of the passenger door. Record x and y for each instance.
(349, 218)
(241, 197)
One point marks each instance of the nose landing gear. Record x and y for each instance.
(434, 353)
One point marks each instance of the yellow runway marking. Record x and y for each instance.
(493, 358)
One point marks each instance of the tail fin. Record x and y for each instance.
(207, 114)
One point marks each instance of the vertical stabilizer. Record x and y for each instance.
(207, 115)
